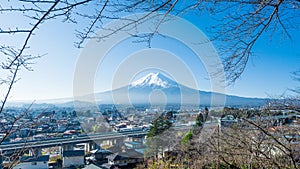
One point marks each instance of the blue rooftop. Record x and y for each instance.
(73, 153)
(34, 159)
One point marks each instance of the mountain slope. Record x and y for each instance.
(156, 88)
(154, 80)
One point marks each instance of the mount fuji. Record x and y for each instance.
(156, 88)
(154, 80)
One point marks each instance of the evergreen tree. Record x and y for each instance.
(199, 119)
(154, 142)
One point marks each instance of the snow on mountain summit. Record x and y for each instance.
(154, 80)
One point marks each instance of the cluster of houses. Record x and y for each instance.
(38, 125)
(128, 155)
(48, 125)
(66, 124)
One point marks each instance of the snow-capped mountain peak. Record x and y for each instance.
(154, 80)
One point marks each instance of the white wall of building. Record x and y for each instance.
(68, 161)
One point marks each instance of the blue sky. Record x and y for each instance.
(268, 73)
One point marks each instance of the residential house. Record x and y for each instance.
(125, 158)
(99, 155)
(31, 162)
(73, 158)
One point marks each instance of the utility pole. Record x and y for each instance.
(218, 147)
(1, 159)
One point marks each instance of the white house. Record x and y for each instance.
(73, 158)
(124, 158)
(31, 162)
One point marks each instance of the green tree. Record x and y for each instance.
(159, 125)
(154, 141)
(170, 114)
(199, 120)
(187, 138)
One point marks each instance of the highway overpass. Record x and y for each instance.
(11, 146)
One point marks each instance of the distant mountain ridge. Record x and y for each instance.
(156, 88)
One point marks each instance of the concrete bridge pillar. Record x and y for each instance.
(105, 143)
(87, 147)
(110, 142)
(35, 152)
(137, 139)
(119, 142)
(67, 147)
(93, 146)
(129, 139)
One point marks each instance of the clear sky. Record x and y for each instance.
(268, 73)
